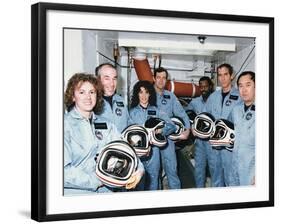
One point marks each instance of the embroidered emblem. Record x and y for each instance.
(228, 102)
(118, 112)
(99, 135)
(249, 116)
(164, 102)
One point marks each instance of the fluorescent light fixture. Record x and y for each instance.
(175, 51)
(175, 44)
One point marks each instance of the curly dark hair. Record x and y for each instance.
(77, 80)
(149, 87)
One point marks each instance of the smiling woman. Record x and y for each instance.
(84, 92)
(83, 99)
(84, 136)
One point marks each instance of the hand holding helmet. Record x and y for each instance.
(181, 133)
(134, 180)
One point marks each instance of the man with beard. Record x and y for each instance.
(202, 147)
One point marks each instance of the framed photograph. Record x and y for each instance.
(74, 39)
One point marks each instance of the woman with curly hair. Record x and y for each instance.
(85, 134)
(143, 107)
(71, 97)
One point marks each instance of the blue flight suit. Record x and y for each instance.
(139, 115)
(243, 160)
(83, 139)
(203, 150)
(168, 103)
(219, 109)
(118, 114)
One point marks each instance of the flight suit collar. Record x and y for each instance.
(76, 114)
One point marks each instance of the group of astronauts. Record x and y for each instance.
(110, 148)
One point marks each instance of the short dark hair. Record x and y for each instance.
(149, 87)
(228, 66)
(252, 74)
(206, 78)
(160, 69)
(98, 68)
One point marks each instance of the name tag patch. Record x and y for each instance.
(233, 97)
(120, 104)
(166, 96)
(151, 112)
(100, 125)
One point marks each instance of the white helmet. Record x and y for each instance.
(152, 125)
(224, 134)
(180, 128)
(203, 125)
(138, 137)
(116, 162)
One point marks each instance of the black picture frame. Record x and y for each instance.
(39, 116)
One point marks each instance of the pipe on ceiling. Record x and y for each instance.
(178, 88)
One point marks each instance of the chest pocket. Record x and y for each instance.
(165, 100)
(150, 113)
(81, 141)
(245, 128)
(119, 109)
(100, 130)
